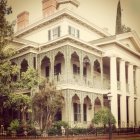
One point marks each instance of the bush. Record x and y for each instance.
(58, 124)
(14, 125)
(56, 128)
(77, 131)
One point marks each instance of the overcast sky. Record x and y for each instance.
(100, 12)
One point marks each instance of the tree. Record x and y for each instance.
(7, 70)
(29, 79)
(21, 103)
(46, 103)
(103, 117)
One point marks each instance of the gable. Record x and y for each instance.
(131, 42)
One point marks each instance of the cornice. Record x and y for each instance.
(59, 15)
(67, 40)
(73, 40)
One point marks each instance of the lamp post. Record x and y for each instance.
(110, 123)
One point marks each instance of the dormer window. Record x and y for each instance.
(73, 31)
(54, 33)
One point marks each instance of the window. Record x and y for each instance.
(76, 69)
(76, 110)
(85, 112)
(85, 71)
(47, 71)
(74, 32)
(57, 69)
(34, 62)
(54, 33)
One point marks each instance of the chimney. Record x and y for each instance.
(48, 7)
(67, 4)
(22, 20)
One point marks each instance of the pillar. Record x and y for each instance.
(52, 67)
(101, 66)
(123, 94)
(113, 84)
(82, 113)
(92, 72)
(68, 72)
(81, 67)
(131, 91)
(138, 95)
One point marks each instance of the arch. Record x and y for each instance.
(24, 66)
(45, 67)
(59, 63)
(76, 108)
(75, 99)
(86, 66)
(75, 63)
(97, 66)
(97, 105)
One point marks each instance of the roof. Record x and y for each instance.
(62, 13)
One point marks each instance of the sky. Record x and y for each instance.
(100, 12)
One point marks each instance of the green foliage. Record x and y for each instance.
(14, 125)
(46, 103)
(103, 117)
(29, 79)
(58, 124)
(6, 28)
(7, 71)
(18, 100)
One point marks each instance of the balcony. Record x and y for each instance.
(85, 81)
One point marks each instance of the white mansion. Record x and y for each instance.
(85, 62)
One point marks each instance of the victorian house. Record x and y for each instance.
(87, 63)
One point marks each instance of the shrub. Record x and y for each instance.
(14, 125)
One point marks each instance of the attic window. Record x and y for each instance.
(54, 33)
(74, 32)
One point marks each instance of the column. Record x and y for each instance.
(81, 67)
(68, 108)
(82, 114)
(123, 93)
(113, 84)
(131, 79)
(81, 70)
(92, 72)
(67, 65)
(138, 94)
(131, 91)
(101, 66)
(52, 67)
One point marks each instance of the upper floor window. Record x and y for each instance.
(54, 33)
(74, 32)
(76, 69)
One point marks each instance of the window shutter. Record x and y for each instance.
(78, 34)
(49, 34)
(58, 31)
(69, 30)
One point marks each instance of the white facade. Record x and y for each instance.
(86, 63)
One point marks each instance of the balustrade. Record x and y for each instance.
(85, 81)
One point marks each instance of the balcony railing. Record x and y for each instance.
(75, 79)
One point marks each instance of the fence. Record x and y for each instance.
(77, 132)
